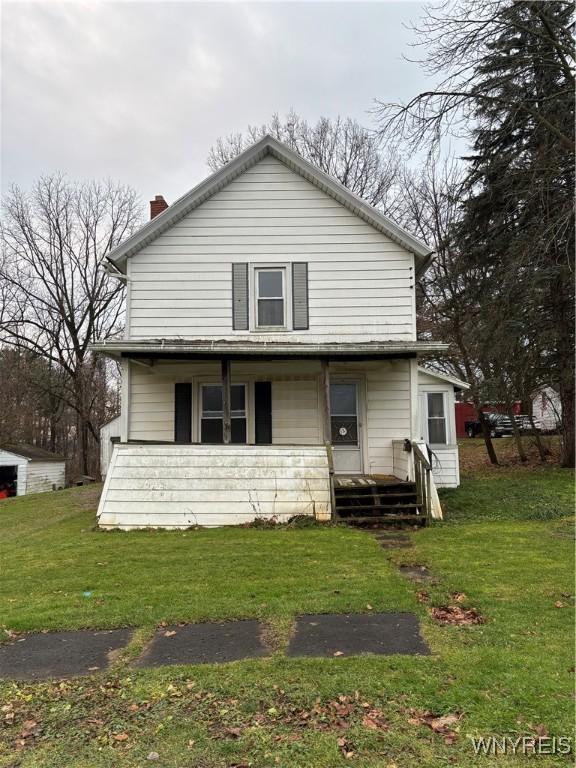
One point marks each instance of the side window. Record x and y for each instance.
(436, 418)
(270, 287)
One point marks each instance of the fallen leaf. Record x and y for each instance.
(345, 747)
(120, 736)
(558, 604)
(456, 615)
(438, 723)
(374, 721)
(153, 756)
(369, 607)
(30, 728)
(338, 653)
(459, 597)
(170, 633)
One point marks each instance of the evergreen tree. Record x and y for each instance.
(518, 216)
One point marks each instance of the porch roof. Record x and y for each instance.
(202, 348)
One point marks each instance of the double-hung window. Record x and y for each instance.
(435, 402)
(211, 417)
(270, 290)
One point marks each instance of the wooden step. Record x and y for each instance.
(353, 507)
(375, 493)
(420, 519)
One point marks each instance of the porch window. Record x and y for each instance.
(211, 417)
(270, 287)
(344, 413)
(436, 418)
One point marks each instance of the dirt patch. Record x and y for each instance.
(416, 572)
(88, 496)
(391, 539)
(456, 615)
(474, 459)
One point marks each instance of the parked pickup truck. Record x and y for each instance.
(499, 424)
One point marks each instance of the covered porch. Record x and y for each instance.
(278, 410)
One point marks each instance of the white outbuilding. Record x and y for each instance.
(29, 469)
(547, 409)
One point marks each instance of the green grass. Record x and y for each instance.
(52, 556)
(543, 493)
(510, 551)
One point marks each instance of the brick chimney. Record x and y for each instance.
(157, 206)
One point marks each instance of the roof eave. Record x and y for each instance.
(120, 349)
(449, 379)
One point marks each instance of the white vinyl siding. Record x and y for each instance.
(445, 462)
(445, 467)
(295, 412)
(45, 476)
(176, 486)
(360, 282)
(107, 432)
(388, 412)
(296, 416)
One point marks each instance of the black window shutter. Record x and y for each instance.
(183, 412)
(263, 412)
(240, 297)
(300, 296)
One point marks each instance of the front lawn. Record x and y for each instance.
(510, 552)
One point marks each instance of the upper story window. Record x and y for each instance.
(270, 298)
(270, 287)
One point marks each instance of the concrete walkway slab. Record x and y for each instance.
(355, 634)
(59, 654)
(209, 643)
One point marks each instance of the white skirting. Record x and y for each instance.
(178, 486)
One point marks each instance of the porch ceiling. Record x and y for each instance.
(181, 349)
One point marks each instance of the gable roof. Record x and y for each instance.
(31, 452)
(458, 383)
(268, 146)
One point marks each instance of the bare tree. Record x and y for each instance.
(341, 148)
(57, 299)
(457, 35)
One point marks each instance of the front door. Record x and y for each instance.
(345, 427)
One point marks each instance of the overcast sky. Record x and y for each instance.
(139, 91)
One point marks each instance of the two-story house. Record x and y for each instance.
(270, 357)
